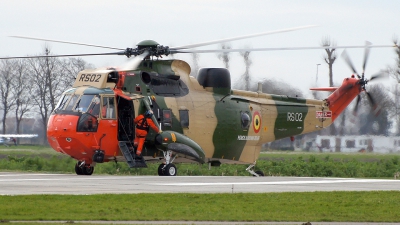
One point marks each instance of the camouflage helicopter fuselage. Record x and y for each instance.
(202, 119)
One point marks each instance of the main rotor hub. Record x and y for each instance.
(151, 46)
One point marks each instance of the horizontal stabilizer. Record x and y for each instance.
(324, 89)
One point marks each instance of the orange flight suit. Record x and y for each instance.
(142, 128)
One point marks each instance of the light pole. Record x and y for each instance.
(316, 77)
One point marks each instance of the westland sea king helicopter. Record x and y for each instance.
(201, 119)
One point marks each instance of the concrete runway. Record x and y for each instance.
(12, 183)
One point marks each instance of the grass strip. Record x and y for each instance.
(372, 206)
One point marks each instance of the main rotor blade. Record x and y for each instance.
(366, 54)
(270, 49)
(241, 37)
(66, 42)
(135, 62)
(72, 55)
(349, 63)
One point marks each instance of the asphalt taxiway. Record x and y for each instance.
(12, 183)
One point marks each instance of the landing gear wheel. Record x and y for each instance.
(84, 169)
(170, 170)
(259, 173)
(87, 170)
(78, 169)
(161, 168)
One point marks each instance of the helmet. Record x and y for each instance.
(148, 113)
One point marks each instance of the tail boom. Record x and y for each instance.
(343, 96)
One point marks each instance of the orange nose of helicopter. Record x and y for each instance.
(63, 137)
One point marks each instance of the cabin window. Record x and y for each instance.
(72, 102)
(167, 117)
(325, 143)
(108, 109)
(184, 117)
(245, 120)
(350, 143)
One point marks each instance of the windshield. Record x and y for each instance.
(83, 103)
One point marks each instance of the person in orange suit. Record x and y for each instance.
(143, 123)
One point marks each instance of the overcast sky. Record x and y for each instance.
(122, 24)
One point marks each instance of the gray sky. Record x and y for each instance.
(123, 23)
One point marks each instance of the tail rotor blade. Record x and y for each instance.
(366, 54)
(349, 63)
(356, 107)
(379, 75)
(375, 108)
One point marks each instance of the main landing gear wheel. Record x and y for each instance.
(161, 168)
(170, 170)
(167, 169)
(259, 173)
(83, 169)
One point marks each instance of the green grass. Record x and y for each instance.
(289, 155)
(28, 150)
(313, 206)
(361, 165)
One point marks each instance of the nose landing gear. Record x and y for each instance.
(81, 168)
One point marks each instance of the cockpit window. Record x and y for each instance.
(83, 103)
(72, 102)
(62, 101)
(94, 107)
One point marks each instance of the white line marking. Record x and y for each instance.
(282, 182)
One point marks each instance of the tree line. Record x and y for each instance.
(30, 87)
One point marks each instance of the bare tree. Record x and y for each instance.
(22, 90)
(225, 55)
(6, 81)
(330, 56)
(394, 71)
(71, 67)
(48, 84)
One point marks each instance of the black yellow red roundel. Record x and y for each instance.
(256, 121)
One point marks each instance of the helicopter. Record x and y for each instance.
(202, 120)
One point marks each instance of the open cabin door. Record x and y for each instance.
(126, 115)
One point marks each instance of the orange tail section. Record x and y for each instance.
(343, 96)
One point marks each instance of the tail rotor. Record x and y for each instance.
(362, 81)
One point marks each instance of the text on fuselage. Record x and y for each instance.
(90, 77)
(291, 116)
